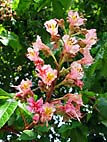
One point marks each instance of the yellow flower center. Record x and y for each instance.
(69, 42)
(48, 110)
(52, 26)
(32, 53)
(50, 76)
(25, 85)
(74, 17)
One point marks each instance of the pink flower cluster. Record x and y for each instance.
(45, 72)
(42, 112)
(70, 45)
(71, 108)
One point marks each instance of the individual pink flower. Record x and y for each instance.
(38, 45)
(76, 70)
(24, 89)
(70, 44)
(25, 85)
(77, 98)
(75, 75)
(32, 54)
(51, 27)
(73, 111)
(47, 113)
(74, 19)
(35, 107)
(47, 74)
(69, 110)
(90, 38)
(87, 59)
(72, 105)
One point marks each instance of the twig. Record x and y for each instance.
(23, 118)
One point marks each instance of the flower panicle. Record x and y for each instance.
(74, 53)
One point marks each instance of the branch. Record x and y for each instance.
(9, 129)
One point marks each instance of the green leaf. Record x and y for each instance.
(23, 107)
(21, 6)
(42, 129)
(86, 95)
(28, 135)
(42, 4)
(65, 129)
(4, 95)
(104, 123)
(14, 41)
(66, 4)
(10, 38)
(79, 134)
(15, 4)
(58, 10)
(6, 110)
(102, 106)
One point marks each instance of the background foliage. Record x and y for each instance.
(20, 23)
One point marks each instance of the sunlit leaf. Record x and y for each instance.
(6, 110)
(4, 94)
(10, 38)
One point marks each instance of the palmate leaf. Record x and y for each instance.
(6, 110)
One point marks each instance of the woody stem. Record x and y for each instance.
(49, 93)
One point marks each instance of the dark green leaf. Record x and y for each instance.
(104, 122)
(28, 135)
(102, 106)
(57, 7)
(43, 128)
(79, 134)
(86, 95)
(65, 129)
(66, 4)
